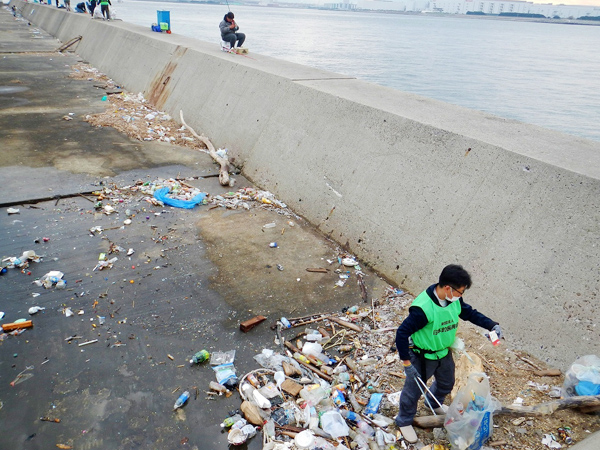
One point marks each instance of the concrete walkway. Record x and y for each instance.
(194, 276)
(590, 443)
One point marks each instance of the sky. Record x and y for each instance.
(574, 2)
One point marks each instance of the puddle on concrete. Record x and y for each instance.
(248, 277)
(12, 89)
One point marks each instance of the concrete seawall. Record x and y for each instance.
(407, 183)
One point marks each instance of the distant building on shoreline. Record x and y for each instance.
(508, 8)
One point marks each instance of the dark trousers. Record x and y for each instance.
(104, 9)
(232, 37)
(442, 370)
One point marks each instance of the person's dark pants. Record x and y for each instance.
(232, 37)
(442, 370)
(104, 9)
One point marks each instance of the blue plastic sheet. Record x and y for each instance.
(162, 195)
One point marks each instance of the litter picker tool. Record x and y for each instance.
(419, 380)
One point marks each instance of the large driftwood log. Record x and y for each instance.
(223, 162)
(585, 403)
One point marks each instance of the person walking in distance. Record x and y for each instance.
(104, 7)
(229, 29)
(424, 338)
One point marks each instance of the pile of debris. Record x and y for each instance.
(132, 114)
(336, 383)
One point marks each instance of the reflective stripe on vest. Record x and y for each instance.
(439, 333)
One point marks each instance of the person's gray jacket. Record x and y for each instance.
(224, 27)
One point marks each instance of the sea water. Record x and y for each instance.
(539, 73)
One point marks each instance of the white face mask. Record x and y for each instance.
(452, 299)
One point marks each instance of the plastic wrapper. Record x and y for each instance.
(373, 405)
(469, 420)
(218, 358)
(271, 360)
(583, 377)
(225, 373)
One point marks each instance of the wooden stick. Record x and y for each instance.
(17, 326)
(299, 324)
(343, 323)
(223, 162)
(543, 409)
(522, 358)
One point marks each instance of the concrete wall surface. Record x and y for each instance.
(416, 184)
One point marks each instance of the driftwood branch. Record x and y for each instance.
(68, 44)
(585, 403)
(224, 179)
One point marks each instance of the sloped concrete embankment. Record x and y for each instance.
(407, 183)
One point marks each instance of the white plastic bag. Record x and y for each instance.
(333, 423)
(583, 377)
(469, 418)
(98, 13)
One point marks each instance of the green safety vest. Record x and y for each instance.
(439, 333)
(104, 2)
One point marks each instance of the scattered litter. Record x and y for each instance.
(35, 309)
(12, 211)
(550, 441)
(51, 279)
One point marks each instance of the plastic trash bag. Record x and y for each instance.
(162, 195)
(583, 377)
(469, 418)
(98, 13)
(333, 423)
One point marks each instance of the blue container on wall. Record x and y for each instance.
(163, 16)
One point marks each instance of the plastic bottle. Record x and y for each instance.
(365, 428)
(200, 357)
(241, 423)
(343, 377)
(313, 394)
(181, 400)
(352, 364)
(299, 357)
(270, 428)
(286, 323)
(352, 310)
(360, 440)
(218, 387)
(253, 380)
(355, 405)
(229, 421)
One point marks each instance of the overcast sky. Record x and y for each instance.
(575, 2)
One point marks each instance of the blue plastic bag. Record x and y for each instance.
(161, 195)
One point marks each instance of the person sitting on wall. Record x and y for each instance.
(424, 338)
(228, 29)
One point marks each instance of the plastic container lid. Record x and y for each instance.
(304, 439)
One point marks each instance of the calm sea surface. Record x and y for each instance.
(543, 74)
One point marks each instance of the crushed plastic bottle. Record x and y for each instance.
(181, 400)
